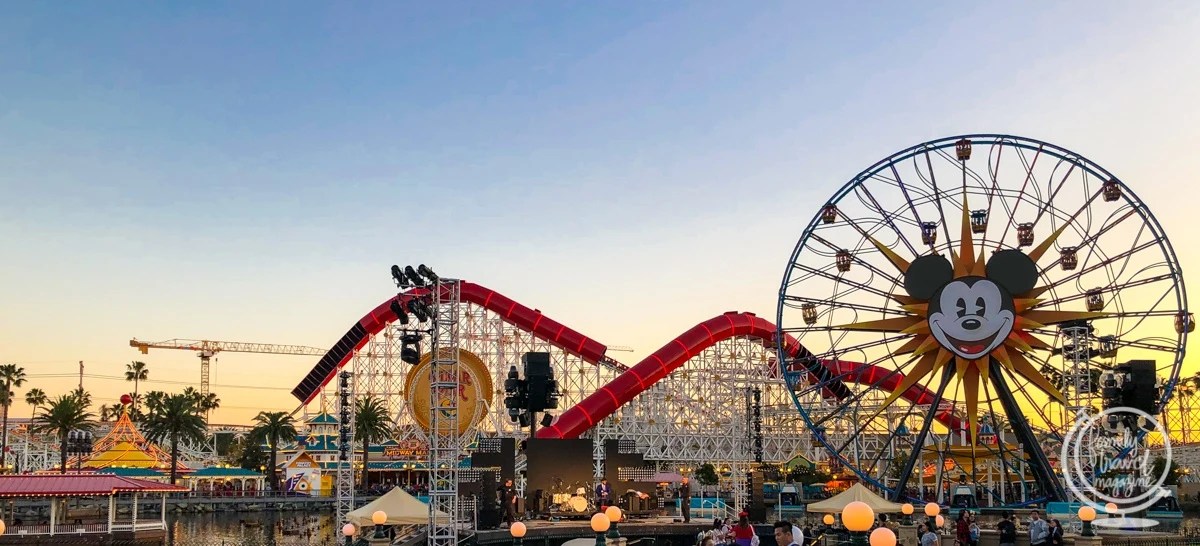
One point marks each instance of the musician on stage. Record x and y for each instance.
(603, 491)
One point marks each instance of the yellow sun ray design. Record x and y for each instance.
(931, 356)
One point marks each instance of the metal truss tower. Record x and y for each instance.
(1077, 379)
(445, 437)
(345, 468)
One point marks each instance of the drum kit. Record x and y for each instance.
(578, 502)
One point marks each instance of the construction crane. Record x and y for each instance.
(206, 349)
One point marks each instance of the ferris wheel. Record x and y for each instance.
(964, 298)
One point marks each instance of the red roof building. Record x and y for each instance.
(78, 485)
(59, 487)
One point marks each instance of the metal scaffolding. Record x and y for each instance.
(345, 468)
(445, 437)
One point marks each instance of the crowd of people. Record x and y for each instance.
(1042, 532)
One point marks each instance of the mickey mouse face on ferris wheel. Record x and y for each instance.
(970, 316)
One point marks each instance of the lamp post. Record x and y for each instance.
(883, 537)
(379, 518)
(517, 530)
(348, 532)
(1086, 515)
(600, 524)
(858, 518)
(931, 512)
(614, 516)
(907, 510)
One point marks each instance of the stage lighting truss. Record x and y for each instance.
(345, 463)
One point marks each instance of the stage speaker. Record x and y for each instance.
(536, 365)
(1141, 392)
(758, 506)
(488, 501)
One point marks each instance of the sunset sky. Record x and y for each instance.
(249, 172)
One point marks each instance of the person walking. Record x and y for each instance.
(962, 528)
(509, 494)
(743, 532)
(685, 500)
(1039, 531)
(1007, 529)
(928, 538)
(1056, 533)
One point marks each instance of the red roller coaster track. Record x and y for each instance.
(624, 387)
(591, 410)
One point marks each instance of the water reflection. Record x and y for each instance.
(251, 529)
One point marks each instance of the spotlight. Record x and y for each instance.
(398, 310)
(524, 420)
(547, 419)
(398, 276)
(510, 383)
(428, 274)
(410, 355)
(418, 308)
(413, 276)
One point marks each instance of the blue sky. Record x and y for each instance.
(248, 171)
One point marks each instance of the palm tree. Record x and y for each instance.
(111, 412)
(61, 416)
(177, 418)
(137, 372)
(273, 428)
(12, 376)
(154, 399)
(371, 425)
(206, 403)
(84, 397)
(35, 397)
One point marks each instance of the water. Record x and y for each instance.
(252, 529)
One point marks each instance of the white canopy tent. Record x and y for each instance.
(400, 507)
(856, 492)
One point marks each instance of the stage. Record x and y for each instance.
(557, 532)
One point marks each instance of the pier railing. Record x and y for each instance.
(82, 529)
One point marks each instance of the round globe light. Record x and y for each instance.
(828, 519)
(883, 537)
(1111, 508)
(517, 530)
(379, 517)
(600, 523)
(940, 521)
(932, 509)
(2, 528)
(348, 530)
(906, 509)
(613, 513)
(1087, 513)
(858, 516)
